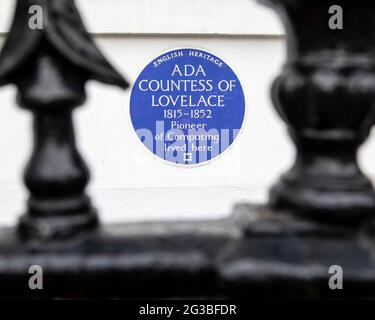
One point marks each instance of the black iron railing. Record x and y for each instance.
(320, 213)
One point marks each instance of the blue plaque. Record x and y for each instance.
(187, 106)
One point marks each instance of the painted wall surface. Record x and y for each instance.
(170, 16)
(129, 183)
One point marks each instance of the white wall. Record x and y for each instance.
(128, 182)
(170, 16)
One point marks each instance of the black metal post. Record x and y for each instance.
(50, 67)
(321, 212)
(326, 96)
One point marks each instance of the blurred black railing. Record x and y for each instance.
(320, 213)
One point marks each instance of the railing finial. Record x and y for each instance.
(50, 67)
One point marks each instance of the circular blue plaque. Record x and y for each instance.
(187, 106)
